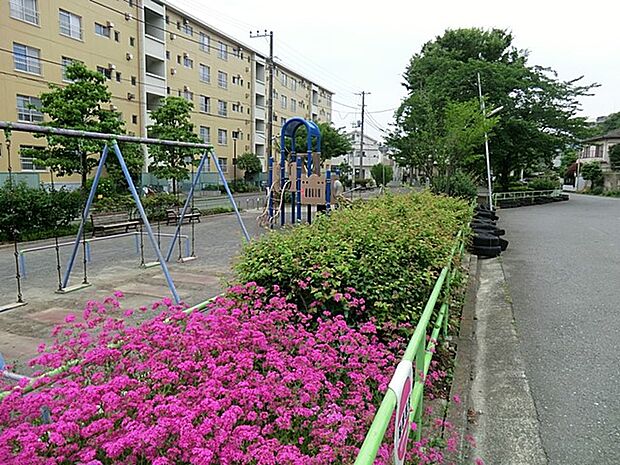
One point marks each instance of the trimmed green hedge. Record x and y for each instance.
(389, 250)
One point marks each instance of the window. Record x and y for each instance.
(70, 24)
(205, 104)
(293, 104)
(205, 134)
(167, 54)
(25, 10)
(28, 109)
(188, 95)
(101, 30)
(237, 107)
(134, 119)
(27, 158)
(188, 62)
(237, 80)
(118, 77)
(204, 43)
(223, 163)
(117, 36)
(283, 102)
(223, 51)
(134, 80)
(26, 58)
(107, 72)
(222, 108)
(132, 41)
(222, 79)
(205, 73)
(293, 84)
(283, 79)
(65, 63)
(189, 30)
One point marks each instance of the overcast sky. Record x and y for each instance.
(351, 46)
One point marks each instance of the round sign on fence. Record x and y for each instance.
(402, 385)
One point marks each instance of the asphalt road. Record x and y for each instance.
(563, 270)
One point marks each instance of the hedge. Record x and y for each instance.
(389, 250)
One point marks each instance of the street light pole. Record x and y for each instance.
(486, 146)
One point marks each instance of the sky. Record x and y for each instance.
(349, 47)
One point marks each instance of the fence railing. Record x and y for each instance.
(525, 194)
(420, 355)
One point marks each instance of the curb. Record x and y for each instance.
(457, 413)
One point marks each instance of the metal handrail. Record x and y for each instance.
(525, 194)
(421, 356)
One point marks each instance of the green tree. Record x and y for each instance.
(593, 172)
(134, 159)
(610, 123)
(382, 174)
(539, 115)
(334, 142)
(250, 164)
(78, 105)
(172, 122)
(614, 157)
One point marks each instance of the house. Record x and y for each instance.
(374, 153)
(596, 149)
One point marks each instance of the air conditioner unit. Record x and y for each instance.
(113, 107)
(247, 69)
(185, 55)
(185, 21)
(173, 36)
(129, 56)
(247, 95)
(128, 17)
(111, 66)
(173, 71)
(110, 24)
(187, 89)
(130, 96)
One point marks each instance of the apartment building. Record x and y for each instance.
(148, 50)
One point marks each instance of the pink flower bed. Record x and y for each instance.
(252, 381)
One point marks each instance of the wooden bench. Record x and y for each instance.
(108, 221)
(173, 214)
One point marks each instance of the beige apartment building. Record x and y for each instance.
(148, 50)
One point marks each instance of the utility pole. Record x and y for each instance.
(271, 67)
(363, 94)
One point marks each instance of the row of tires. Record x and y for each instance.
(487, 240)
(513, 203)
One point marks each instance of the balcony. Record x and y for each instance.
(154, 6)
(259, 88)
(154, 47)
(259, 112)
(259, 138)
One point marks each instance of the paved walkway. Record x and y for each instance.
(563, 271)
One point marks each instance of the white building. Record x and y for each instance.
(374, 153)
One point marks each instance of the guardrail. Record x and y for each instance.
(514, 195)
(418, 357)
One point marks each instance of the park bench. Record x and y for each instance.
(173, 214)
(108, 221)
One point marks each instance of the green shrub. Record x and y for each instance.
(457, 185)
(363, 183)
(546, 183)
(114, 203)
(157, 204)
(598, 190)
(26, 210)
(613, 193)
(390, 250)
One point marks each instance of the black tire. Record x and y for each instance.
(488, 230)
(490, 252)
(483, 221)
(489, 215)
(503, 243)
(485, 240)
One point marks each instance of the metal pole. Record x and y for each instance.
(190, 196)
(58, 267)
(486, 145)
(145, 221)
(141, 246)
(17, 275)
(89, 202)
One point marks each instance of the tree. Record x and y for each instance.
(78, 105)
(592, 172)
(334, 142)
(614, 157)
(250, 164)
(382, 174)
(539, 115)
(172, 122)
(610, 123)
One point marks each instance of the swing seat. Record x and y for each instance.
(172, 216)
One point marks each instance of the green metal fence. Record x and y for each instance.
(421, 355)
